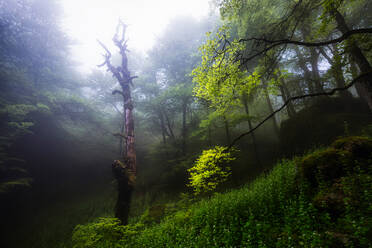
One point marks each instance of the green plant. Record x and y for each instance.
(210, 169)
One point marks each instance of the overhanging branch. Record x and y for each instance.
(311, 44)
(293, 98)
(274, 43)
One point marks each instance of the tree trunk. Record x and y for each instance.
(305, 69)
(184, 130)
(270, 106)
(365, 85)
(355, 72)
(124, 171)
(227, 130)
(314, 58)
(336, 70)
(250, 126)
(285, 95)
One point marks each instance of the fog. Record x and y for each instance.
(200, 123)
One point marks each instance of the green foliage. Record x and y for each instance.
(219, 79)
(210, 169)
(275, 210)
(105, 232)
(328, 165)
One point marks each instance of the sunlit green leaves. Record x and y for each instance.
(210, 169)
(219, 79)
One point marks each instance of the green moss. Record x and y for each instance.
(324, 165)
(359, 147)
(344, 156)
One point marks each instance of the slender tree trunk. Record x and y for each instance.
(355, 72)
(305, 69)
(169, 125)
(227, 130)
(314, 59)
(365, 85)
(336, 70)
(270, 106)
(163, 128)
(285, 96)
(184, 130)
(250, 126)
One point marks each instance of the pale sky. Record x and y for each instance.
(88, 20)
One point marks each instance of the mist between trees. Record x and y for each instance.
(213, 104)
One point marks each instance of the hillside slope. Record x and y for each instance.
(320, 200)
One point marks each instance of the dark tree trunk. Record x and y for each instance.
(250, 126)
(285, 96)
(124, 171)
(355, 72)
(125, 184)
(184, 127)
(314, 58)
(271, 110)
(364, 85)
(227, 130)
(305, 69)
(163, 128)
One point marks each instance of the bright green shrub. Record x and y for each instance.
(210, 169)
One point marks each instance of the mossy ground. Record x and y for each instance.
(300, 203)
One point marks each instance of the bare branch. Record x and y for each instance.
(118, 92)
(120, 135)
(108, 53)
(311, 44)
(293, 98)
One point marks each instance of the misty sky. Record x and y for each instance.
(88, 20)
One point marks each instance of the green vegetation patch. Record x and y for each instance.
(276, 210)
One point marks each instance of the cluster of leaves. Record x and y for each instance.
(210, 169)
(219, 79)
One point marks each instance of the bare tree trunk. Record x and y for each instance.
(250, 126)
(285, 95)
(124, 171)
(184, 128)
(163, 128)
(270, 106)
(364, 85)
(121, 138)
(314, 58)
(169, 127)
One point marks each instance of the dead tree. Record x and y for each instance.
(124, 170)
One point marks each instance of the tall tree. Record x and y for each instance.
(125, 170)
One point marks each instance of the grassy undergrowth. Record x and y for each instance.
(301, 203)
